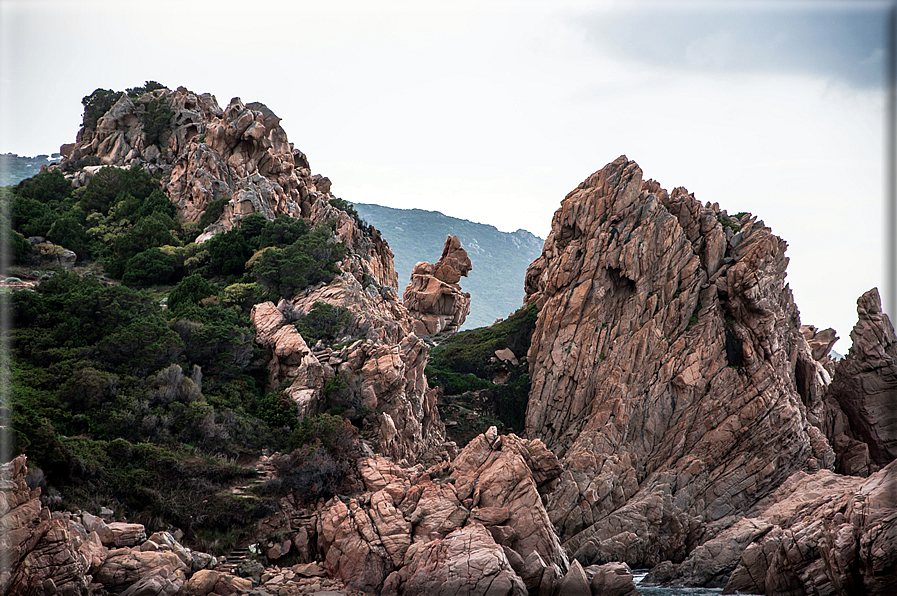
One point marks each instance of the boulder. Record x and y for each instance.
(433, 298)
(125, 567)
(612, 579)
(466, 561)
(828, 535)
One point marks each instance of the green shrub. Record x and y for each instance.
(151, 267)
(309, 260)
(96, 105)
(212, 212)
(189, 292)
(45, 187)
(149, 87)
(277, 410)
(323, 322)
(156, 119)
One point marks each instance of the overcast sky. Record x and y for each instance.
(494, 111)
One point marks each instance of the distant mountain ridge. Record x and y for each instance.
(499, 258)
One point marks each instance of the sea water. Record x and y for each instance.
(639, 574)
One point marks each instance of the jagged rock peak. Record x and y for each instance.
(433, 298)
(864, 389)
(668, 368)
(237, 161)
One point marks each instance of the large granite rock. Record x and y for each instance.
(861, 415)
(41, 552)
(664, 367)
(467, 561)
(831, 535)
(433, 298)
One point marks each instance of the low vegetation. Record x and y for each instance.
(466, 363)
(138, 384)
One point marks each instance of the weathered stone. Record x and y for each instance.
(433, 298)
(830, 535)
(575, 582)
(467, 561)
(865, 390)
(663, 369)
(125, 567)
(612, 579)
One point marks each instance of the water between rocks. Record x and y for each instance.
(639, 574)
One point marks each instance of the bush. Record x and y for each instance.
(149, 87)
(277, 410)
(189, 292)
(324, 322)
(45, 187)
(150, 267)
(310, 260)
(212, 212)
(96, 105)
(156, 119)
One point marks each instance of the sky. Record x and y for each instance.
(494, 111)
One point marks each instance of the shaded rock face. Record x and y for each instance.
(433, 298)
(469, 525)
(861, 402)
(240, 155)
(664, 369)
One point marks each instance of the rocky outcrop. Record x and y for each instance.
(664, 367)
(861, 413)
(831, 534)
(476, 522)
(239, 156)
(380, 365)
(820, 342)
(62, 553)
(433, 298)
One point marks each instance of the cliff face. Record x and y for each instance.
(239, 156)
(668, 369)
(861, 402)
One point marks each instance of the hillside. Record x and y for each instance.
(15, 168)
(499, 258)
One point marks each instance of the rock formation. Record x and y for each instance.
(433, 298)
(240, 156)
(818, 532)
(477, 524)
(381, 366)
(240, 159)
(861, 414)
(664, 367)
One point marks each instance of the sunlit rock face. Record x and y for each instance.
(434, 298)
(665, 367)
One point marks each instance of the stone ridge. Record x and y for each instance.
(663, 369)
(240, 155)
